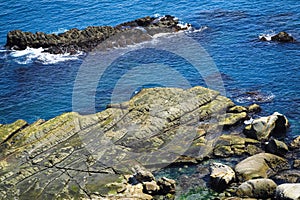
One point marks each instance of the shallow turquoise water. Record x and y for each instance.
(33, 88)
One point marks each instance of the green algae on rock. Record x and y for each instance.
(92, 156)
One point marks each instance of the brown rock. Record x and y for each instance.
(257, 188)
(262, 165)
(150, 187)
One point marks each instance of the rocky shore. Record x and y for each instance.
(88, 39)
(114, 154)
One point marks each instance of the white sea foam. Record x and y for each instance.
(30, 55)
(60, 30)
(252, 98)
(267, 35)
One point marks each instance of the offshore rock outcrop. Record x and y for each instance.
(92, 156)
(279, 37)
(89, 38)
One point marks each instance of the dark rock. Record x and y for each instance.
(287, 176)
(166, 186)
(282, 37)
(221, 176)
(277, 147)
(257, 188)
(86, 40)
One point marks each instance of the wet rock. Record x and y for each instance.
(282, 37)
(277, 147)
(221, 176)
(262, 165)
(262, 128)
(288, 191)
(257, 188)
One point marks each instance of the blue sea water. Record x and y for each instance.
(36, 86)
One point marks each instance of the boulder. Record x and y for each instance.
(295, 144)
(288, 191)
(296, 164)
(254, 108)
(262, 165)
(257, 188)
(221, 176)
(282, 37)
(150, 187)
(143, 175)
(263, 128)
(277, 147)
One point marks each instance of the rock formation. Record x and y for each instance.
(86, 40)
(280, 37)
(111, 154)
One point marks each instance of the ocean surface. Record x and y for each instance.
(36, 85)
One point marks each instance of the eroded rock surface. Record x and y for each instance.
(86, 156)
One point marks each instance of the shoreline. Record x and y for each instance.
(75, 144)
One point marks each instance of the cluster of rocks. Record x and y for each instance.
(257, 176)
(280, 37)
(88, 39)
(75, 156)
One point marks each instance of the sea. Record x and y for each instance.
(36, 85)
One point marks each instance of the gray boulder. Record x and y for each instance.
(288, 191)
